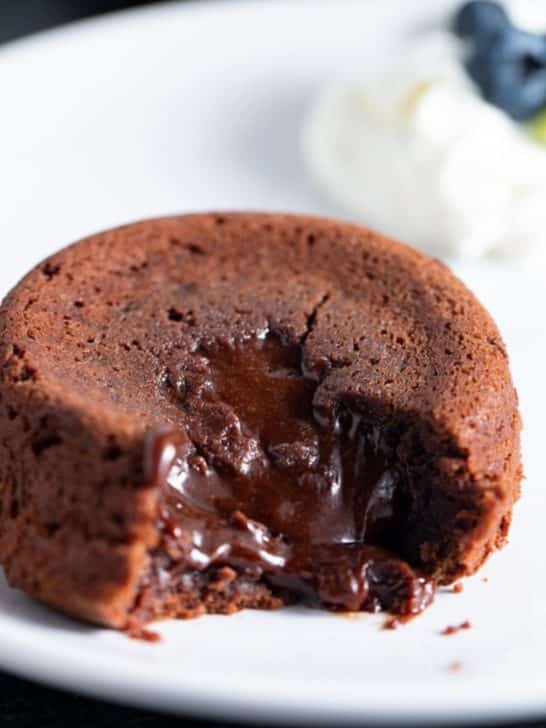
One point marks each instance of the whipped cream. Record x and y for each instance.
(418, 154)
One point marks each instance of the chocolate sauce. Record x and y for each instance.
(258, 481)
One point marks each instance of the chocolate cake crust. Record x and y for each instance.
(122, 348)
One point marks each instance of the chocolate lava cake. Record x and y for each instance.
(218, 411)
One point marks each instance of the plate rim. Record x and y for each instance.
(87, 674)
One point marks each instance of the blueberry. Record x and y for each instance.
(480, 18)
(510, 70)
(524, 103)
(529, 49)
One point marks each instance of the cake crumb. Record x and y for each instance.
(392, 623)
(398, 621)
(485, 579)
(458, 587)
(455, 666)
(351, 616)
(453, 629)
(136, 631)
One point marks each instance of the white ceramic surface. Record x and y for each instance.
(188, 107)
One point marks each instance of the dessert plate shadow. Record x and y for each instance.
(196, 106)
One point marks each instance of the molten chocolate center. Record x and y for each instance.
(259, 481)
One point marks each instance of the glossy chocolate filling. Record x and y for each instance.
(260, 482)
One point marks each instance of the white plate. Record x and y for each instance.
(185, 107)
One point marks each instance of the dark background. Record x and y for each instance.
(21, 17)
(23, 703)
